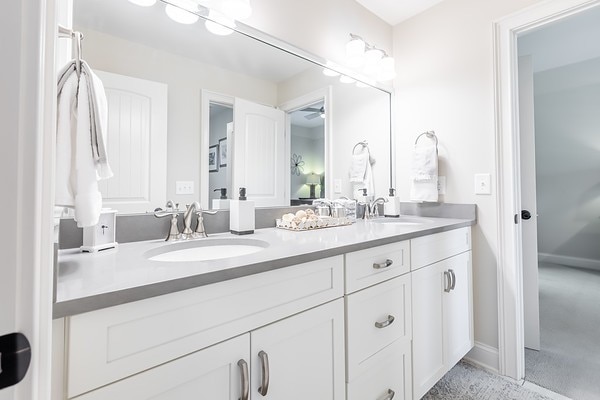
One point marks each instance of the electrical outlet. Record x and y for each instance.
(184, 187)
(337, 186)
(483, 184)
(441, 185)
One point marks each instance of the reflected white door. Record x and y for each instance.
(259, 158)
(531, 306)
(136, 143)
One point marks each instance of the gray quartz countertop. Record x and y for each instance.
(92, 281)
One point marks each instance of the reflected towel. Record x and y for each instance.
(80, 151)
(358, 168)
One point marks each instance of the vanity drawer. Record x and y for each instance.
(116, 342)
(376, 317)
(391, 377)
(429, 249)
(370, 266)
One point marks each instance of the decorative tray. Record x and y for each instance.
(310, 224)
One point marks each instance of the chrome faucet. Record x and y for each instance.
(171, 209)
(372, 209)
(200, 232)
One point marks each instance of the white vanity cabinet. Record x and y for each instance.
(442, 307)
(378, 323)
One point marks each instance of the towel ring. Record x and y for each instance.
(430, 135)
(364, 144)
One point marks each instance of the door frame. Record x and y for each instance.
(510, 253)
(326, 95)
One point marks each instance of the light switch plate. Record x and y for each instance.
(337, 186)
(483, 184)
(184, 187)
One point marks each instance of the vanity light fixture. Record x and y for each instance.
(143, 3)
(182, 11)
(373, 62)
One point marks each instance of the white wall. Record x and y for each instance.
(567, 129)
(444, 60)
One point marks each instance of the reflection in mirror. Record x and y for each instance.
(220, 126)
(196, 69)
(308, 153)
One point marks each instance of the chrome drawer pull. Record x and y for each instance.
(453, 279)
(447, 282)
(390, 319)
(245, 381)
(264, 358)
(388, 396)
(382, 265)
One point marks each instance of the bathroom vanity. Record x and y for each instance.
(375, 310)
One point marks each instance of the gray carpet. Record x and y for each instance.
(569, 360)
(466, 382)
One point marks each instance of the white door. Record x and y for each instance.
(302, 356)
(428, 328)
(136, 143)
(531, 306)
(220, 372)
(259, 159)
(458, 309)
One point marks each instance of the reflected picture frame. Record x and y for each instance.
(213, 154)
(223, 152)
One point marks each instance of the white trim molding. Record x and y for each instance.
(510, 277)
(484, 356)
(570, 261)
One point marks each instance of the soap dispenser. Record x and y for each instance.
(391, 208)
(241, 215)
(222, 202)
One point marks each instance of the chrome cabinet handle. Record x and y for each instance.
(388, 396)
(382, 265)
(390, 319)
(447, 282)
(245, 381)
(264, 359)
(453, 285)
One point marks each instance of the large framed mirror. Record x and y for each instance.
(191, 112)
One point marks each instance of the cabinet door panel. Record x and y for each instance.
(212, 374)
(458, 310)
(428, 331)
(305, 354)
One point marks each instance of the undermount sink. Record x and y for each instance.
(403, 220)
(205, 250)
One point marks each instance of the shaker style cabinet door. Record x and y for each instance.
(220, 372)
(300, 357)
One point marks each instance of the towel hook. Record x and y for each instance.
(78, 39)
(431, 135)
(364, 144)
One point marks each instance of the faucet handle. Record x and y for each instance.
(200, 232)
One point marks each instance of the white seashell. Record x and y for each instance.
(301, 214)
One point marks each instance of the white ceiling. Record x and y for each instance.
(395, 11)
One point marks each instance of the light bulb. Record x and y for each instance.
(219, 24)
(330, 72)
(355, 52)
(373, 55)
(346, 79)
(360, 84)
(143, 3)
(183, 16)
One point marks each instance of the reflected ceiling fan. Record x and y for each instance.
(316, 112)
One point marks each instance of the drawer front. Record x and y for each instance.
(368, 267)
(377, 317)
(113, 343)
(391, 377)
(428, 249)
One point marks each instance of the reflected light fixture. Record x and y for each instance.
(346, 79)
(330, 72)
(182, 12)
(143, 3)
(219, 24)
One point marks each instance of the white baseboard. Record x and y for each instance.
(484, 356)
(578, 262)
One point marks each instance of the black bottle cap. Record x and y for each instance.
(242, 193)
(223, 193)
(392, 192)
(364, 191)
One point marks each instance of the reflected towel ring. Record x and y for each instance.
(364, 144)
(430, 135)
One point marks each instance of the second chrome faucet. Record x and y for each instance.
(187, 233)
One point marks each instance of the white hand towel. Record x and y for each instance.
(358, 168)
(424, 179)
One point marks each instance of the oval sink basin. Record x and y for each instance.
(205, 250)
(403, 220)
